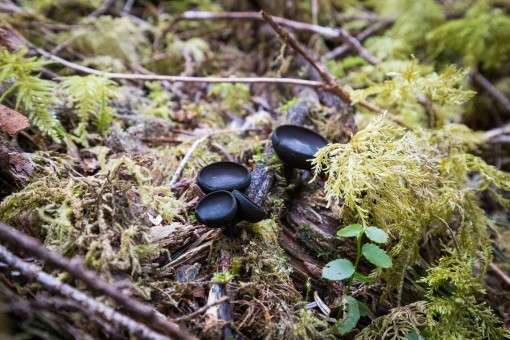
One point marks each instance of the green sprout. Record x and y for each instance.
(342, 269)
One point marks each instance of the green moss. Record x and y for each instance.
(33, 94)
(103, 218)
(408, 182)
(458, 315)
(479, 37)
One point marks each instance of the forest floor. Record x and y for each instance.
(108, 111)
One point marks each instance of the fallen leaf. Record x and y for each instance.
(11, 121)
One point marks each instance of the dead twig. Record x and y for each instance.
(497, 132)
(327, 77)
(175, 79)
(329, 80)
(335, 34)
(201, 310)
(92, 306)
(491, 90)
(101, 10)
(186, 159)
(223, 151)
(142, 311)
(344, 48)
(500, 273)
(192, 149)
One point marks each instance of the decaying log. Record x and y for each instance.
(15, 168)
(308, 225)
(220, 314)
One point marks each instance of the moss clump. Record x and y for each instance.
(408, 183)
(104, 218)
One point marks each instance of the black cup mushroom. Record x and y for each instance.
(217, 209)
(223, 176)
(296, 145)
(248, 210)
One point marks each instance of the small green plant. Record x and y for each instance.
(225, 277)
(233, 96)
(91, 96)
(161, 101)
(33, 95)
(287, 105)
(342, 269)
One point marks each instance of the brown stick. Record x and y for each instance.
(330, 81)
(500, 273)
(344, 48)
(181, 79)
(334, 34)
(201, 310)
(93, 306)
(491, 90)
(143, 312)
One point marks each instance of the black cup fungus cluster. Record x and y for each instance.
(225, 205)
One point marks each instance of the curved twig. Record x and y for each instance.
(144, 312)
(181, 79)
(32, 271)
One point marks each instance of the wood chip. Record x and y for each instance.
(11, 121)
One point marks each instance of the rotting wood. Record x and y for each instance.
(219, 314)
(15, 168)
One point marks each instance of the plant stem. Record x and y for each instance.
(358, 257)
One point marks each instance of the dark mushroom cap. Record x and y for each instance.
(217, 209)
(296, 145)
(247, 209)
(223, 176)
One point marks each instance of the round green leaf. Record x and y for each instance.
(376, 255)
(338, 270)
(363, 309)
(376, 234)
(362, 278)
(414, 336)
(350, 231)
(353, 315)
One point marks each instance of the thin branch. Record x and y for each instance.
(344, 48)
(500, 273)
(186, 159)
(92, 306)
(323, 71)
(101, 10)
(315, 12)
(194, 146)
(497, 132)
(201, 310)
(73, 267)
(335, 34)
(491, 90)
(325, 74)
(175, 79)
